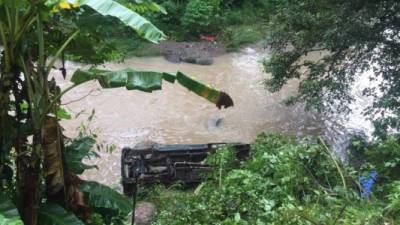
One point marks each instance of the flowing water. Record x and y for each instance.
(175, 115)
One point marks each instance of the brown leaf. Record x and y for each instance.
(224, 100)
(75, 198)
(53, 162)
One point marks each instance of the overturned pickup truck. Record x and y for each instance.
(170, 163)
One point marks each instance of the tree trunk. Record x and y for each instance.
(28, 182)
(5, 122)
(62, 186)
(53, 164)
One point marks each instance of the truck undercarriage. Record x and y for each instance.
(170, 163)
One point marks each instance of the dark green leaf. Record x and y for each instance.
(52, 214)
(8, 212)
(101, 197)
(76, 151)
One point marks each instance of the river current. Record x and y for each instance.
(176, 116)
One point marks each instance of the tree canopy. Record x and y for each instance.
(355, 36)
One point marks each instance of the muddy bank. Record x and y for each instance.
(201, 53)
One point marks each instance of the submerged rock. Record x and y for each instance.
(204, 61)
(189, 58)
(214, 123)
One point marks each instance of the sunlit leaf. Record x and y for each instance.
(65, 5)
(130, 18)
(62, 113)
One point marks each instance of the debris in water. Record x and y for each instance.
(214, 123)
(224, 100)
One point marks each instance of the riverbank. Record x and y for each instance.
(197, 52)
(287, 182)
(232, 35)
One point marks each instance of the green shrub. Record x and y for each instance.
(382, 157)
(174, 10)
(201, 16)
(170, 23)
(244, 3)
(393, 208)
(283, 182)
(235, 36)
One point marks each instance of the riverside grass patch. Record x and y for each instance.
(282, 182)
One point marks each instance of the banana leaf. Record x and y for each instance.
(76, 151)
(130, 18)
(149, 81)
(8, 212)
(53, 214)
(144, 6)
(102, 198)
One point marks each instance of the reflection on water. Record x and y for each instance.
(174, 115)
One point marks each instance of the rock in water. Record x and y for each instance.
(200, 53)
(205, 61)
(214, 123)
(144, 213)
(189, 59)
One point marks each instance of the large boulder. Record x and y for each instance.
(200, 53)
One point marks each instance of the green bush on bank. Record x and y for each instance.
(234, 22)
(283, 182)
(201, 17)
(236, 36)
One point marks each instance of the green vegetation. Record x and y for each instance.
(38, 167)
(233, 23)
(235, 36)
(201, 17)
(356, 36)
(288, 182)
(283, 181)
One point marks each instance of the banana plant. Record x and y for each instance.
(24, 75)
(112, 8)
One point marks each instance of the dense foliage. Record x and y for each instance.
(287, 182)
(38, 167)
(354, 36)
(283, 181)
(201, 16)
(233, 23)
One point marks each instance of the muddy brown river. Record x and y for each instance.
(175, 115)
